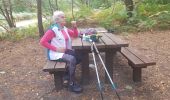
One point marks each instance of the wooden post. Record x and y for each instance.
(109, 63)
(85, 68)
(137, 74)
(58, 80)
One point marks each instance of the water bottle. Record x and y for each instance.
(84, 37)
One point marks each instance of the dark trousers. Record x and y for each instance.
(71, 58)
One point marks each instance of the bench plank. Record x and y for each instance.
(132, 58)
(49, 66)
(52, 66)
(146, 60)
(60, 66)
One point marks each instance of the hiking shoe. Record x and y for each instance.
(74, 87)
(65, 81)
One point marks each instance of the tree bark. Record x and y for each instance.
(39, 17)
(129, 7)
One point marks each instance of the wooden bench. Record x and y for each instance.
(57, 69)
(137, 61)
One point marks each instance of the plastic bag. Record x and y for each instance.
(88, 31)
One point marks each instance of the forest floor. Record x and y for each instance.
(22, 78)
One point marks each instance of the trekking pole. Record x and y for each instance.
(113, 85)
(97, 74)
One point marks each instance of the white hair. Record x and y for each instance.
(56, 15)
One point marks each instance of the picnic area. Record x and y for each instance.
(134, 44)
(22, 76)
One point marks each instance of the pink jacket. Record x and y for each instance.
(55, 38)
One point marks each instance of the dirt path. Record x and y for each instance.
(21, 76)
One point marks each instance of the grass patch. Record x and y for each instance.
(20, 33)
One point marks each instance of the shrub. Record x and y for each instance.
(20, 33)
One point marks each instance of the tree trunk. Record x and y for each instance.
(56, 3)
(6, 10)
(39, 16)
(85, 2)
(10, 13)
(106, 2)
(72, 7)
(51, 8)
(129, 7)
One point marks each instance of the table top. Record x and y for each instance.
(108, 40)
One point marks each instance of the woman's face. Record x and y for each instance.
(62, 20)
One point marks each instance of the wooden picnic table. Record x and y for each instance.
(108, 43)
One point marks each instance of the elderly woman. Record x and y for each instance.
(57, 40)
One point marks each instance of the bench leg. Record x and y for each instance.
(137, 74)
(58, 80)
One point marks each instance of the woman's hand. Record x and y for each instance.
(60, 49)
(74, 24)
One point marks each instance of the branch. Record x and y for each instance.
(4, 28)
(3, 13)
(158, 13)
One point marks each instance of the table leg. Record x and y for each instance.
(109, 63)
(85, 68)
(58, 80)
